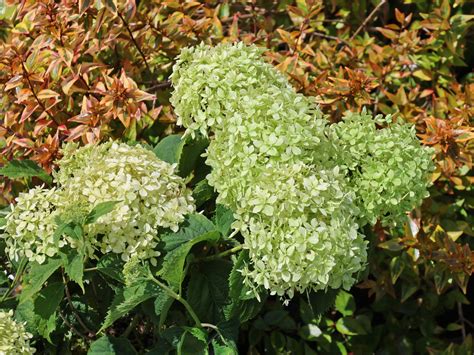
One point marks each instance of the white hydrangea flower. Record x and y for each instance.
(30, 226)
(269, 164)
(300, 232)
(14, 339)
(150, 195)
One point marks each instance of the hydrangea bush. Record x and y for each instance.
(300, 188)
(295, 189)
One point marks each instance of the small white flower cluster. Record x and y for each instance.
(149, 194)
(14, 339)
(269, 164)
(30, 226)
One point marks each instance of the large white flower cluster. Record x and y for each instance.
(150, 196)
(269, 164)
(14, 339)
(300, 188)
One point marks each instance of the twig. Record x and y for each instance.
(325, 36)
(132, 325)
(366, 21)
(212, 326)
(71, 326)
(133, 40)
(161, 85)
(462, 320)
(73, 309)
(27, 76)
(19, 273)
(220, 255)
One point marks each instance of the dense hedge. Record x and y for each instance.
(90, 71)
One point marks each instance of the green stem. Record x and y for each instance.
(131, 326)
(90, 269)
(178, 298)
(18, 274)
(221, 255)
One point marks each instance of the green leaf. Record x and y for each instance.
(45, 306)
(111, 265)
(244, 305)
(128, 298)
(193, 342)
(194, 226)
(24, 169)
(321, 301)
(345, 303)
(161, 302)
(208, 290)
(203, 192)
(170, 148)
(99, 210)
(191, 153)
(48, 299)
(108, 345)
(396, 268)
(173, 264)
(223, 349)
(37, 276)
(360, 325)
(74, 267)
(407, 291)
(391, 244)
(3, 278)
(224, 219)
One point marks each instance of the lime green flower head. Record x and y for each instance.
(389, 169)
(13, 337)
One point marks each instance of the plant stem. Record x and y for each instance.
(178, 298)
(127, 27)
(221, 255)
(90, 269)
(18, 274)
(366, 21)
(38, 101)
(132, 325)
(73, 309)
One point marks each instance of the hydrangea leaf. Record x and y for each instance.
(108, 345)
(207, 291)
(170, 148)
(173, 264)
(128, 298)
(37, 276)
(99, 210)
(15, 169)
